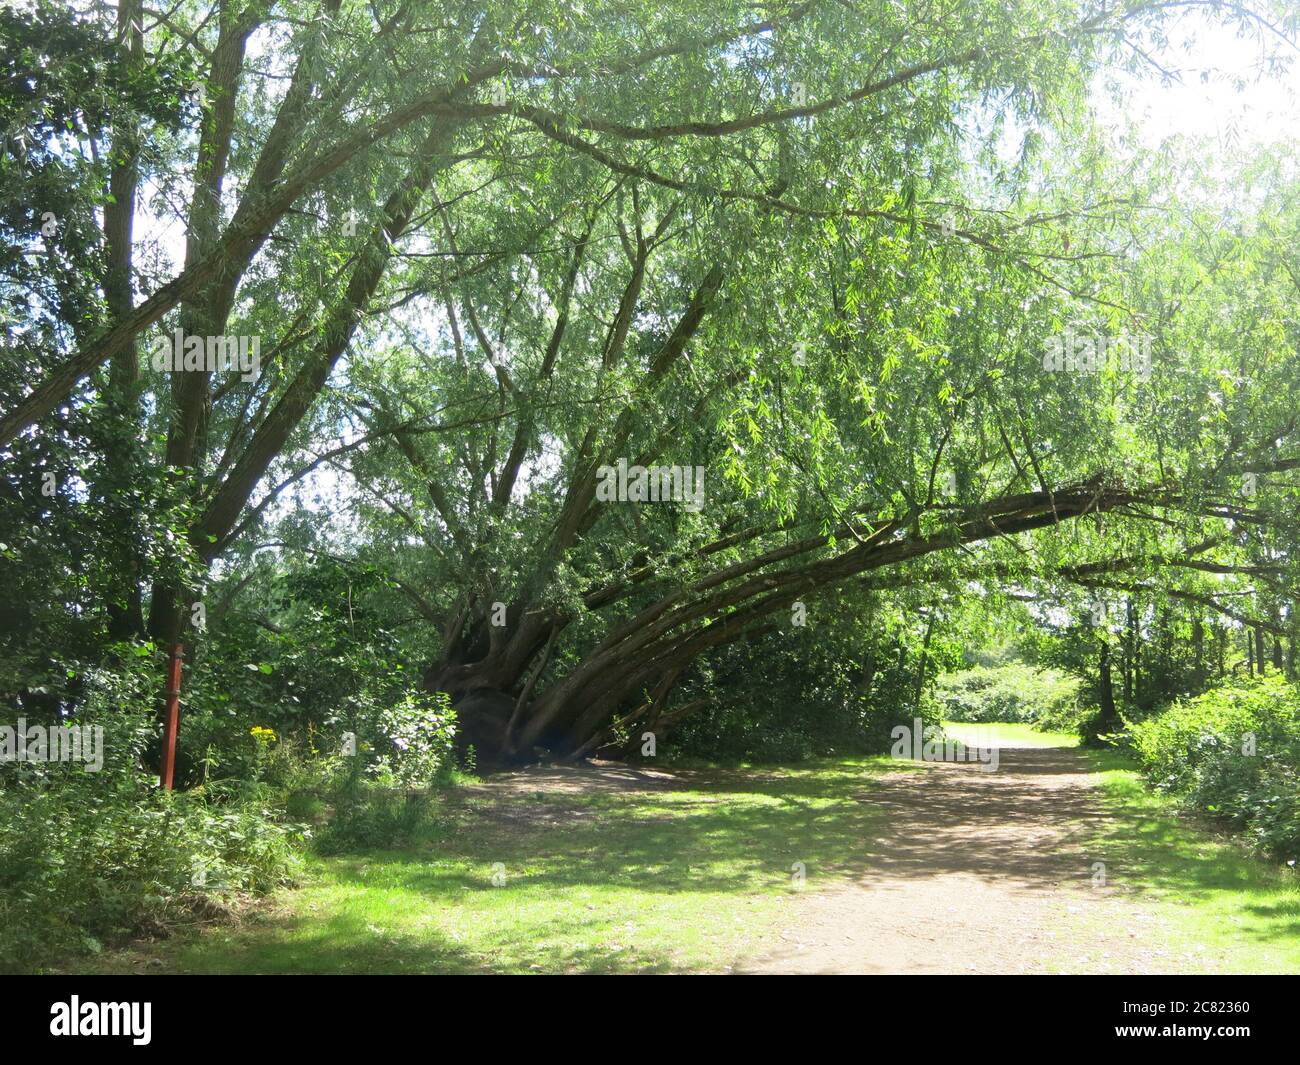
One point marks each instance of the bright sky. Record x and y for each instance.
(1206, 102)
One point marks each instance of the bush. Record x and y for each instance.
(370, 817)
(788, 697)
(1010, 693)
(1232, 753)
(416, 736)
(84, 863)
(379, 792)
(93, 857)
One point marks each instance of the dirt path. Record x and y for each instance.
(978, 872)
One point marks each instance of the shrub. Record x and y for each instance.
(380, 795)
(1010, 693)
(88, 862)
(371, 817)
(89, 858)
(790, 698)
(416, 735)
(1232, 753)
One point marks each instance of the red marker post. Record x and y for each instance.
(171, 717)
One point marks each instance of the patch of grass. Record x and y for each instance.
(683, 879)
(1009, 734)
(1231, 911)
(699, 877)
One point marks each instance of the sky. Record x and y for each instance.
(1206, 102)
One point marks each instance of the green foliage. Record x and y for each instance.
(419, 730)
(313, 656)
(85, 866)
(832, 688)
(370, 817)
(649, 249)
(89, 858)
(374, 790)
(1232, 753)
(381, 795)
(1013, 693)
(65, 80)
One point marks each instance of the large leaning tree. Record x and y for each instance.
(490, 254)
(860, 376)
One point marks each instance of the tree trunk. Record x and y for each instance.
(1198, 651)
(921, 666)
(484, 666)
(1107, 720)
(1130, 646)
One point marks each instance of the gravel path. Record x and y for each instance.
(978, 872)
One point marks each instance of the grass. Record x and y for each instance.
(617, 881)
(1008, 734)
(1229, 910)
(698, 878)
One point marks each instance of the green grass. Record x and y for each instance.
(1229, 909)
(695, 879)
(595, 882)
(1009, 734)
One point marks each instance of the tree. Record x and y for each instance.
(492, 258)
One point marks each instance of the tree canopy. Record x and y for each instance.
(896, 319)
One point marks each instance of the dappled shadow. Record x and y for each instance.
(1030, 868)
(1195, 860)
(588, 778)
(974, 869)
(349, 943)
(683, 842)
(567, 855)
(1285, 915)
(1024, 824)
(916, 867)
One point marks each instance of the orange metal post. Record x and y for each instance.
(171, 717)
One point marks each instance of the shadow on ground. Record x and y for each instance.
(610, 868)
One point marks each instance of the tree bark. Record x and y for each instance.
(718, 608)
